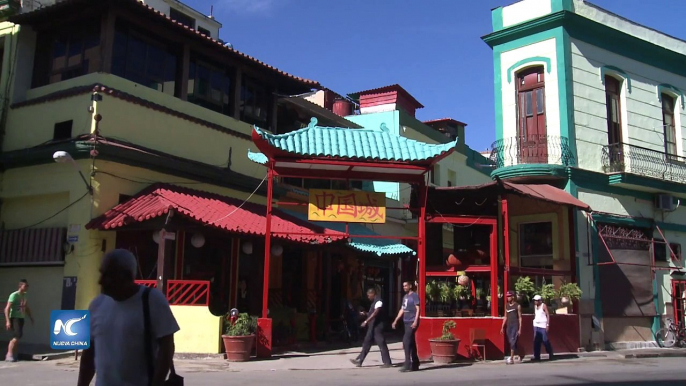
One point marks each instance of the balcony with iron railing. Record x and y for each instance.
(531, 150)
(625, 158)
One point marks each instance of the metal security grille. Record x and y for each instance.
(32, 246)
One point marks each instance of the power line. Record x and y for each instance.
(54, 215)
(243, 203)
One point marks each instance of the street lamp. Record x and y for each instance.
(62, 157)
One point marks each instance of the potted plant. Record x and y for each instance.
(525, 288)
(569, 292)
(461, 294)
(444, 348)
(445, 293)
(548, 293)
(480, 297)
(239, 338)
(432, 291)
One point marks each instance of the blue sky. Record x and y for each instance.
(432, 48)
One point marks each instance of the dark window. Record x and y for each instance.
(536, 245)
(210, 87)
(66, 54)
(204, 31)
(663, 254)
(254, 102)
(668, 122)
(182, 18)
(143, 60)
(613, 106)
(62, 130)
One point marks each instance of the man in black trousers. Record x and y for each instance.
(375, 326)
(410, 314)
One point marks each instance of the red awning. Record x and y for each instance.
(213, 210)
(541, 192)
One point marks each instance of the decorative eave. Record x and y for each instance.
(367, 154)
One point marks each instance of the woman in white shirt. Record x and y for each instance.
(541, 327)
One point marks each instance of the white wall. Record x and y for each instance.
(525, 10)
(611, 20)
(642, 110)
(201, 20)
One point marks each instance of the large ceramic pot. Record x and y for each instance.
(238, 348)
(444, 351)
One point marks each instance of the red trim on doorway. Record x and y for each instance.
(506, 247)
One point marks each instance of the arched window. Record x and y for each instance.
(531, 126)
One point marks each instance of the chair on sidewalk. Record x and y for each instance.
(477, 339)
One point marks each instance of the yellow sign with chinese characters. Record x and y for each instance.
(347, 206)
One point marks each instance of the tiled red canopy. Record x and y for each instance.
(211, 210)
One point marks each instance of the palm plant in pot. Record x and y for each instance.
(239, 337)
(444, 348)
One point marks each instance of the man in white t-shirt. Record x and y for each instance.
(374, 322)
(117, 355)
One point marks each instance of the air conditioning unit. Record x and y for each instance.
(664, 202)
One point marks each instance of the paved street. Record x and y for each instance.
(654, 372)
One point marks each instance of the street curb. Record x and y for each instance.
(50, 356)
(656, 355)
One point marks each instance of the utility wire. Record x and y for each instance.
(54, 215)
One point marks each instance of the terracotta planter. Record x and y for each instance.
(444, 351)
(238, 348)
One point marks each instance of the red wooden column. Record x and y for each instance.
(494, 271)
(506, 247)
(264, 324)
(421, 249)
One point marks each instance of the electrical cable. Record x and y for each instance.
(54, 215)
(243, 203)
(147, 181)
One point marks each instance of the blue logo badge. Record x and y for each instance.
(70, 330)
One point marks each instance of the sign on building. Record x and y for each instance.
(346, 206)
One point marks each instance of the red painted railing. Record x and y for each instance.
(188, 292)
(147, 283)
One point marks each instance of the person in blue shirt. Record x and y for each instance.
(410, 314)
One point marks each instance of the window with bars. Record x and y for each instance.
(669, 125)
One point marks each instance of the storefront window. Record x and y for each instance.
(536, 245)
(209, 86)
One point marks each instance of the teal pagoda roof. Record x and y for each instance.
(370, 145)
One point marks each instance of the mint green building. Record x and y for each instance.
(593, 103)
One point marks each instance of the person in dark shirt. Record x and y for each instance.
(410, 314)
(375, 322)
(513, 321)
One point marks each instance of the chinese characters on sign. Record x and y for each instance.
(347, 206)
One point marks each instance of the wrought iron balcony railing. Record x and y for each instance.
(532, 149)
(621, 157)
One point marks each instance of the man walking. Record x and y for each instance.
(16, 310)
(513, 321)
(541, 327)
(375, 326)
(410, 314)
(119, 353)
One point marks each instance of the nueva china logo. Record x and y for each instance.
(70, 329)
